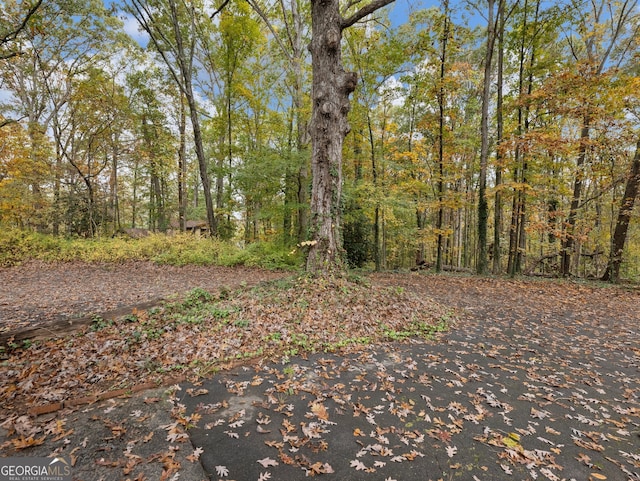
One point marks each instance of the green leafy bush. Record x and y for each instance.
(18, 246)
(13, 247)
(269, 255)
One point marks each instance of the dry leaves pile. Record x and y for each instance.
(200, 335)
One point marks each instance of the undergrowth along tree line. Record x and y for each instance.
(527, 108)
(18, 246)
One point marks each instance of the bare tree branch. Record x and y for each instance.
(12, 35)
(349, 5)
(224, 4)
(7, 56)
(145, 20)
(363, 12)
(287, 27)
(261, 13)
(6, 122)
(617, 28)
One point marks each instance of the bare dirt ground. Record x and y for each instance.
(36, 293)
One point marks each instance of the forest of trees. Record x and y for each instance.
(497, 135)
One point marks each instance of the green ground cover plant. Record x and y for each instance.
(17, 246)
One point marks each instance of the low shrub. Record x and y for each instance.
(18, 246)
(269, 255)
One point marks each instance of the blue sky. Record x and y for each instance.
(399, 10)
(398, 13)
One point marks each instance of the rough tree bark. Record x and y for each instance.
(331, 88)
(483, 205)
(622, 224)
(182, 166)
(444, 42)
(497, 222)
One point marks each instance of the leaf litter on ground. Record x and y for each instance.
(202, 334)
(518, 355)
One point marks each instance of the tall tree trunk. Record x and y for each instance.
(229, 154)
(597, 54)
(568, 241)
(202, 159)
(512, 267)
(185, 62)
(295, 56)
(57, 181)
(517, 232)
(331, 88)
(303, 201)
(483, 205)
(289, 182)
(220, 178)
(624, 215)
(302, 138)
(152, 206)
(377, 256)
(91, 199)
(497, 223)
(444, 41)
(158, 209)
(182, 166)
(522, 219)
(421, 211)
(330, 96)
(156, 202)
(183, 57)
(114, 202)
(134, 194)
(36, 136)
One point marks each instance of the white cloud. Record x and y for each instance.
(6, 98)
(392, 90)
(5, 95)
(132, 28)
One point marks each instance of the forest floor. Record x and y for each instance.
(535, 379)
(37, 292)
